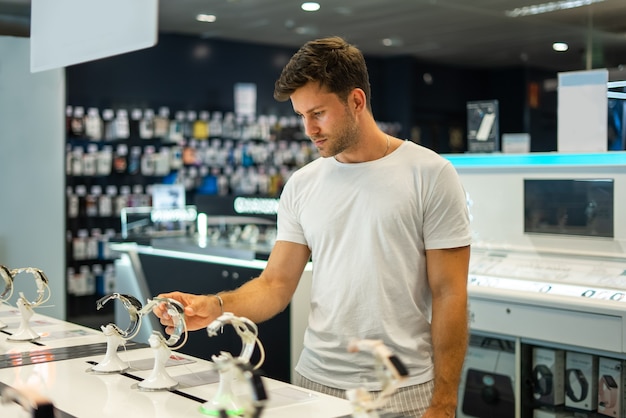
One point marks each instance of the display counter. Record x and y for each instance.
(521, 299)
(557, 299)
(546, 273)
(57, 367)
(522, 303)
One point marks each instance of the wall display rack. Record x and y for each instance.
(115, 156)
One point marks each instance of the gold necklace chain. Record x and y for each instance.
(386, 149)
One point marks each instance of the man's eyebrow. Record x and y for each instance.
(311, 110)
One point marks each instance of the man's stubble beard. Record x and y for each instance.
(346, 137)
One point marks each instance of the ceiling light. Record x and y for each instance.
(310, 6)
(552, 6)
(306, 30)
(206, 18)
(560, 46)
(392, 41)
(345, 11)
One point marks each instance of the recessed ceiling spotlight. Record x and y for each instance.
(206, 18)
(560, 46)
(310, 6)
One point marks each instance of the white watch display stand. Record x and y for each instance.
(24, 332)
(111, 363)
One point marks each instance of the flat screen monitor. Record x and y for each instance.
(582, 207)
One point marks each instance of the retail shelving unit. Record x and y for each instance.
(115, 156)
(546, 271)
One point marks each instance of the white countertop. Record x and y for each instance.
(77, 391)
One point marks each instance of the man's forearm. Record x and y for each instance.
(258, 300)
(269, 294)
(450, 336)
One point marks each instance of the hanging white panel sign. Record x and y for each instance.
(67, 32)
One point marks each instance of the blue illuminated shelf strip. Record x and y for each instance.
(537, 159)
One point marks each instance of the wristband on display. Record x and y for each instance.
(136, 311)
(176, 311)
(132, 305)
(607, 392)
(247, 331)
(258, 394)
(542, 381)
(43, 291)
(576, 385)
(389, 369)
(8, 283)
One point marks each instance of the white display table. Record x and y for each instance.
(55, 367)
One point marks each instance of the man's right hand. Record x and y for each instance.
(200, 310)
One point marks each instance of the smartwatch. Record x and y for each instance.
(136, 311)
(576, 385)
(132, 305)
(607, 392)
(42, 285)
(7, 278)
(176, 311)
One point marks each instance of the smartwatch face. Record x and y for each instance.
(609, 381)
(488, 395)
(607, 395)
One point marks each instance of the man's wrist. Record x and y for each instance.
(220, 301)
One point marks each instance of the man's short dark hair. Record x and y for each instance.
(335, 64)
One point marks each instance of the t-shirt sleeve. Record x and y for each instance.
(446, 216)
(288, 224)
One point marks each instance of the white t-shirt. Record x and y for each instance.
(368, 226)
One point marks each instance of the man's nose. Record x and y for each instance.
(311, 128)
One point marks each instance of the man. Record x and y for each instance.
(385, 222)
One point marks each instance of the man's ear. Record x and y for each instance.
(358, 100)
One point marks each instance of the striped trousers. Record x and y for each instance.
(410, 401)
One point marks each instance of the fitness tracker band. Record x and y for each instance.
(542, 381)
(576, 385)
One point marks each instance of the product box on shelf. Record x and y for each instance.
(487, 380)
(543, 412)
(581, 381)
(548, 371)
(611, 381)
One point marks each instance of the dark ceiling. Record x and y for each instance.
(467, 33)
